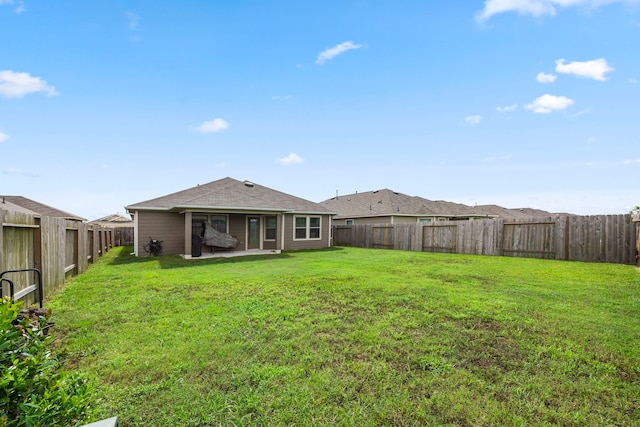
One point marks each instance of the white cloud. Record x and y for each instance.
(17, 85)
(546, 78)
(594, 69)
(546, 104)
(212, 126)
(336, 50)
(473, 120)
(630, 162)
(633, 80)
(291, 159)
(507, 109)
(581, 113)
(504, 157)
(536, 8)
(133, 21)
(281, 97)
(19, 5)
(3, 137)
(16, 171)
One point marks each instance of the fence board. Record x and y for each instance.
(55, 246)
(598, 238)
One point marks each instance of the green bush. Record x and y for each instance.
(34, 390)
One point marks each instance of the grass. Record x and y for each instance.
(349, 336)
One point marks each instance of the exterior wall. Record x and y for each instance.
(372, 220)
(165, 226)
(388, 220)
(237, 228)
(405, 219)
(291, 244)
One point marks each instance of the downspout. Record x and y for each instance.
(136, 228)
(187, 234)
(282, 234)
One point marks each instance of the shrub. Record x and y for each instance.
(34, 390)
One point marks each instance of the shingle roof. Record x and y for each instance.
(228, 193)
(12, 207)
(40, 208)
(386, 202)
(510, 213)
(113, 220)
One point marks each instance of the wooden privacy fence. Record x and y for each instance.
(57, 247)
(601, 238)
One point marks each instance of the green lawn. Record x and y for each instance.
(360, 337)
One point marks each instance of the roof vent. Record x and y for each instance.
(248, 184)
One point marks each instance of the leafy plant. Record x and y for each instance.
(34, 391)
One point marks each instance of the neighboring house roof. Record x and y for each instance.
(385, 202)
(40, 208)
(229, 194)
(511, 213)
(11, 207)
(113, 220)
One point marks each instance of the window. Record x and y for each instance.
(307, 227)
(270, 228)
(218, 222)
(425, 220)
(348, 222)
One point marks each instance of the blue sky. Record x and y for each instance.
(521, 103)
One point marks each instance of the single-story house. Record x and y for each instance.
(390, 207)
(256, 217)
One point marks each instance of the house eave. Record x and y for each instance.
(223, 209)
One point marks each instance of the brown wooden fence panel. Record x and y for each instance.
(382, 236)
(598, 238)
(529, 239)
(440, 238)
(57, 247)
(17, 249)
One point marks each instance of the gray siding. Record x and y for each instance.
(368, 220)
(323, 242)
(165, 226)
(237, 226)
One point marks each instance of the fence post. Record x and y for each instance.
(1, 241)
(636, 223)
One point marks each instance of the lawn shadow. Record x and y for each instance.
(125, 255)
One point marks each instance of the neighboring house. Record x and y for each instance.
(40, 208)
(258, 217)
(6, 205)
(114, 220)
(390, 207)
(507, 213)
(122, 228)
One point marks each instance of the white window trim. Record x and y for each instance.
(307, 227)
(265, 228)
